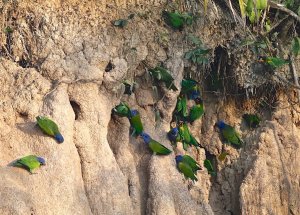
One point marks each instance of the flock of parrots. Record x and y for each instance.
(179, 131)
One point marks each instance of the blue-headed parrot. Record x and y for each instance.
(30, 162)
(185, 168)
(49, 127)
(229, 134)
(155, 146)
(136, 123)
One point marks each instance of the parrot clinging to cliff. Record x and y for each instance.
(49, 127)
(30, 162)
(173, 134)
(209, 167)
(252, 120)
(122, 110)
(163, 75)
(184, 166)
(186, 137)
(197, 110)
(190, 87)
(229, 134)
(135, 122)
(155, 146)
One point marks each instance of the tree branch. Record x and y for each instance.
(284, 9)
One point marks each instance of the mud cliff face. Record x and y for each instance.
(53, 63)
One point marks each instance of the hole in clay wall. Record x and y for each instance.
(109, 67)
(76, 108)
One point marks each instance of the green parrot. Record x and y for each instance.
(174, 20)
(186, 137)
(209, 167)
(191, 162)
(136, 123)
(252, 120)
(184, 167)
(197, 110)
(181, 107)
(163, 75)
(122, 110)
(229, 134)
(30, 162)
(155, 146)
(49, 127)
(190, 87)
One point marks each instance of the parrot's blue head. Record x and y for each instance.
(194, 94)
(220, 124)
(174, 131)
(59, 138)
(41, 160)
(134, 112)
(178, 158)
(146, 137)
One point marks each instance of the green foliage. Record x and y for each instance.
(198, 55)
(276, 62)
(177, 20)
(296, 46)
(8, 30)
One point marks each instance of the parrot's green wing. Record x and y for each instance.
(187, 171)
(159, 148)
(29, 162)
(175, 20)
(191, 162)
(184, 133)
(209, 167)
(122, 110)
(231, 136)
(196, 112)
(47, 125)
(181, 106)
(137, 125)
(194, 142)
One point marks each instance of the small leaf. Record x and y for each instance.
(222, 156)
(296, 46)
(242, 7)
(8, 30)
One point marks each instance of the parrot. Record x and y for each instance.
(162, 74)
(191, 162)
(30, 162)
(155, 146)
(229, 134)
(136, 123)
(49, 127)
(122, 110)
(209, 167)
(181, 107)
(191, 88)
(174, 20)
(252, 120)
(173, 134)
(185, 168)
(186, 137)
(197, 110)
